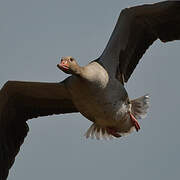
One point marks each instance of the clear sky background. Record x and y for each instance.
(32, 34)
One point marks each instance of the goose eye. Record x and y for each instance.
(71, 59)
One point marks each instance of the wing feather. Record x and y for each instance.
(20, 101)
(136, 29)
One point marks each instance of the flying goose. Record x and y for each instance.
(95, 90)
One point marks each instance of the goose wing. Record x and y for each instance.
(20, 101)
(136, 29)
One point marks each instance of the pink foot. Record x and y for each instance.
(134, 120)
(113, 132)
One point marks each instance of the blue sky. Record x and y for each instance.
(32, 34)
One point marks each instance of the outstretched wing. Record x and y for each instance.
(136, 29)
(20, 101)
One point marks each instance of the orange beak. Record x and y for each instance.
(63, 65)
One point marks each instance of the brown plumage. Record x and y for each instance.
(137, 28)
(20, 101)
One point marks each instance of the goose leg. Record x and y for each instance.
(135, 122)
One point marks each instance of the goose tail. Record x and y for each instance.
(140, 106)
(99, 133)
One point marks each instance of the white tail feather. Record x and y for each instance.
(98, 132)
(140, 106)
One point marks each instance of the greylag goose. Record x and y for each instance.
(95, 90)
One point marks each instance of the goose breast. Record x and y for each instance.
(96, 95)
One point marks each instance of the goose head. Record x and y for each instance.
(69, 65)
